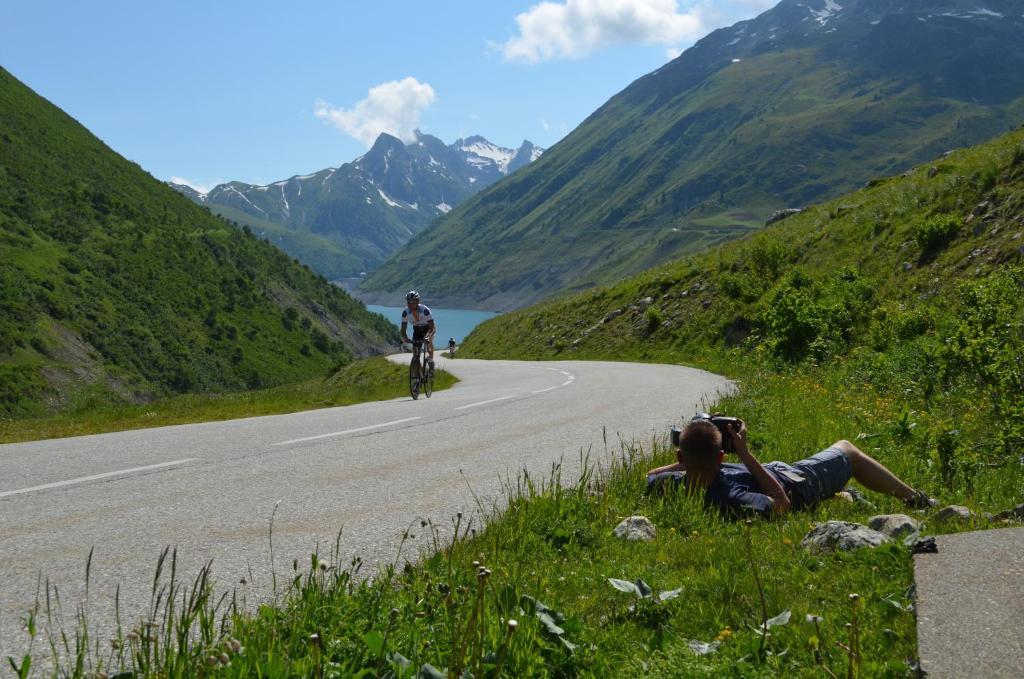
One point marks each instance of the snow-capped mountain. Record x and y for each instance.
(376, 203)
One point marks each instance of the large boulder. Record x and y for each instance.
(954, 513)
(893, 525)
(841, 535)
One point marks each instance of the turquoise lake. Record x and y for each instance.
(450, 322)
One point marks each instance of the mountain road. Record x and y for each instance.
(370, 471)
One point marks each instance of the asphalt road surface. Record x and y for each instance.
(368, 470)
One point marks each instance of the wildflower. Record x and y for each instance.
(211, 660)
(235, 644)
(814, 618)
(323, 564)
(132, 636)
(225, 660)
(787, 541)
(513, 625)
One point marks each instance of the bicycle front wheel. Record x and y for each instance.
(414, 379)
(428, 381)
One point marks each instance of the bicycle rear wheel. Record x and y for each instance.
(414, 378)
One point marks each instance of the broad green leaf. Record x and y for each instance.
(397, 658)
(702, 648)
(623, 586)
(549, 624)
(670, 594)
(374, 640)
(428, 671)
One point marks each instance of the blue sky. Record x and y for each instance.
(260, 91)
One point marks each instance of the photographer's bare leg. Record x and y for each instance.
(872, 474)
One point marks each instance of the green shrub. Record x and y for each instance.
(654, 318)
(936, 231)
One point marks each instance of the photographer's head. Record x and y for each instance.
(700, 448)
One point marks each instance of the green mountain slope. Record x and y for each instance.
(322, 255)
(801, 104)
(875, 269)
(900, 306)
(115, 287)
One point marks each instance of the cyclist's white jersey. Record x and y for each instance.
(420, 319)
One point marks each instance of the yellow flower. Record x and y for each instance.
(787, 541)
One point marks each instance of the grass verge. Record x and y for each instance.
(372, 379)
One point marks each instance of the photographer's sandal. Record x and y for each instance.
(920, 500)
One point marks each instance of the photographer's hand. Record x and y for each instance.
(739, 438)
(765, 480)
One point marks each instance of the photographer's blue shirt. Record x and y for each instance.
(734, 489)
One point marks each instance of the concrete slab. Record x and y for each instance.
(970, 605)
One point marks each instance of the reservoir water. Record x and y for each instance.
(450, 322)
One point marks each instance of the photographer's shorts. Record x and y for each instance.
(826, 474)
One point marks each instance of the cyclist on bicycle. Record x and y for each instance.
(451, 346)
(423, 328)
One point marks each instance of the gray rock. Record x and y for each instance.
(1017, 514)
(907, 266)
(779, 215)
(932, 171)
(611, 315)
(705, 303)
(841, 535)
(646, 301)
(893, 525)
(635, 528)
(958, 512)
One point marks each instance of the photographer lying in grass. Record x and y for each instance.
(775, 487)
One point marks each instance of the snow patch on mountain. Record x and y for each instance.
(486, 153)
(830, 10)
(388, 200)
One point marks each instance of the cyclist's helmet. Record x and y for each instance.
(412, 296)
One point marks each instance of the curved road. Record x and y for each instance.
(371, 470)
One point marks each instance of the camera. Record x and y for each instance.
(721, 422)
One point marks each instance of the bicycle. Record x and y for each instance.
(421, 375)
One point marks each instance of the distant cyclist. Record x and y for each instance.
(423, 328)
(451, 346)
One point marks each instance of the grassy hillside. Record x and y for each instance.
(115, 288)
(772, 113)
(908, 255)
(904, 297)
(322, 255)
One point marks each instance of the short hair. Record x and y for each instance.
(699, 445)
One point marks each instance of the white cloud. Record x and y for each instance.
(673, 52)
(393, 107)
(575, 28)
(201, 188)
